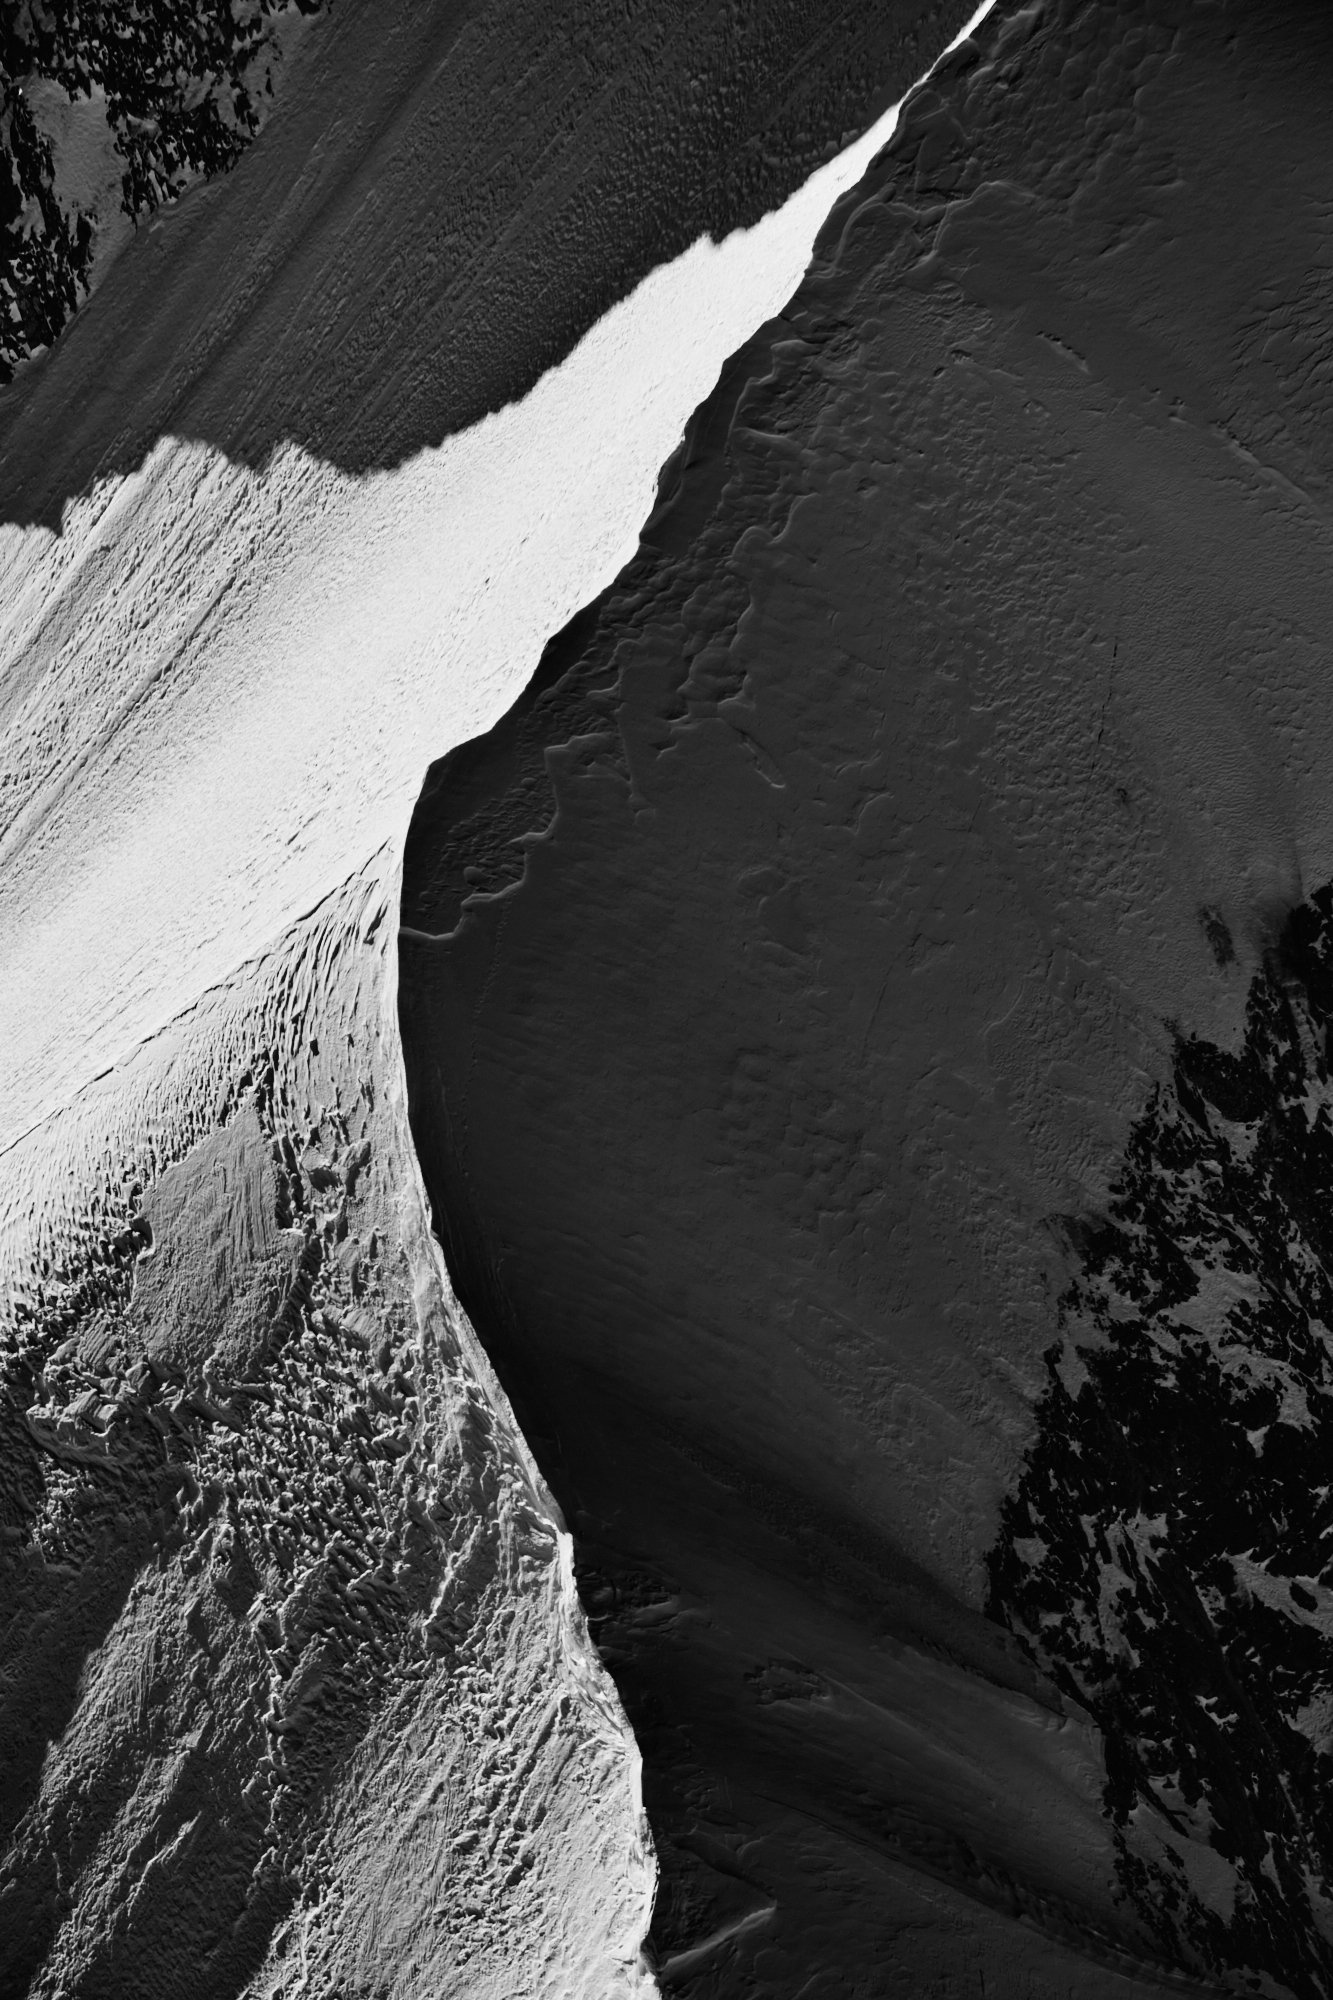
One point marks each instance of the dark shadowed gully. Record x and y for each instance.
(445, 198)
(933, 792)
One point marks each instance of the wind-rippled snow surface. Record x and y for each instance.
(867, 1016)
(297, 1695)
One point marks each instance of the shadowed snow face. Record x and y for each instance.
(296, 1682)
(1167, 1555)
(934, 784)
(444, 198)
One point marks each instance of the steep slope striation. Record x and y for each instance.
(295, 1690)
(801, 953)
(448, 197)
(105, 114)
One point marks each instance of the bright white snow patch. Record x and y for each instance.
(220, 689)
(219, 692)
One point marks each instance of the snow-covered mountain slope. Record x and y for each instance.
(297, 1695)
(871, 1081)
(449, 194)
(296, 1690)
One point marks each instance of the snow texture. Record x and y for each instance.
(866, 1014)
(297, 1692)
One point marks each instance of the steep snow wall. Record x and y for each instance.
(448, 196)
(297, 1693)
(867, 1040)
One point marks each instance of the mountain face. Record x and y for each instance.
(724, 1339)
(296, 1691)
(865, 1012)
(293, 1686)
(442, 200)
